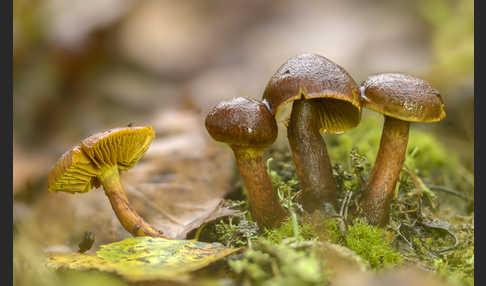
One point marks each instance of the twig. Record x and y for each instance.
(408, 211)
(448, 191)
(403, 237)
(349, 195)
(341, 211)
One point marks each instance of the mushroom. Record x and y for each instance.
(97, 161)
(402, 99)
(325, 100)
(248, 127)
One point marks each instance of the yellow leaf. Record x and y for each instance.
(144, 258)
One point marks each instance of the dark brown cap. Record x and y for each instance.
(121, 147)
(73, 172)
(314, 76)
(242, 122)
(402, 96)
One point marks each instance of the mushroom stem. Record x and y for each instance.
(310, 156)
(381, 183)
(128, 217)
(263, 199)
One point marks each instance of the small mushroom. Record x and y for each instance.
(325, 100)
(402, 99)
(248, 127)
(97, 161)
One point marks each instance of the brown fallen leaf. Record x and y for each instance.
(62, 219)
(181, 183)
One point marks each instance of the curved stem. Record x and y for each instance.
(128, 217)
(381, 183)
(263, 199)
(310, 156)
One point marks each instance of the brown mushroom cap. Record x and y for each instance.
(242, 122)
(402, 96)
(74, 172)
(314, 76)
(119, 146)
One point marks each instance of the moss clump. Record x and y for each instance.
(435, 248)
(284, 263)
(235, 234)
(332, 231)
(234, 231)
(372, 244)
(287, 229)
(458, 273)
(324, 228)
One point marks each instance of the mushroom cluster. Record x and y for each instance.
(325, 99)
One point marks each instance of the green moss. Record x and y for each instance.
(323, 228)
(286, 230)
(461, 274)
(456, 264)
(371, 244)
(286, 186)
(268, 263)
(428, 163)
(365, 137)
(234, 231)
(332, 231)
(428, 154)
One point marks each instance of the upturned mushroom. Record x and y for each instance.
(325, 100)
(248, 127)
(98, 161)
(402, 99)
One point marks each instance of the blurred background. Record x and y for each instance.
(82, 66)
(85, 65)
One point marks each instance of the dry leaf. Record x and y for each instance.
(181, 183)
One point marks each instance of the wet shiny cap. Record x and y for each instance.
(242, 122)
(121, 147)
(312, 76)
(402, 96)
(73, 172)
